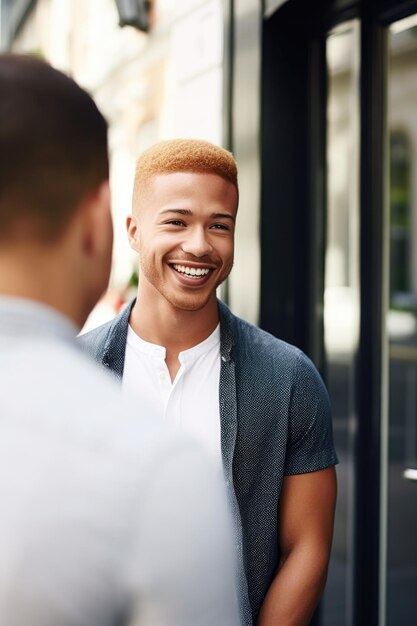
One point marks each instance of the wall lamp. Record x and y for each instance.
(134, 13)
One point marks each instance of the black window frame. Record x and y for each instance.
(293, 214)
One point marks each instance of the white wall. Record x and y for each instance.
(167, 83)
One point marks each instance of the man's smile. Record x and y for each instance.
(191, 271)
(192, 275)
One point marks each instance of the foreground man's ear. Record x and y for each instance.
(97, 221)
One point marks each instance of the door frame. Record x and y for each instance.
(293, 215)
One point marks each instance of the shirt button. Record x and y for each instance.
(162, 377)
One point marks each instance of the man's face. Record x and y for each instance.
(183, 229)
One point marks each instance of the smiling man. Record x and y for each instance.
(257, 404)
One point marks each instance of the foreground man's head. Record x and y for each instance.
(55, 223)
(107, 515)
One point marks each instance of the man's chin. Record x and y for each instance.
(191, 304)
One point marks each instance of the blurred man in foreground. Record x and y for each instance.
(103, 516)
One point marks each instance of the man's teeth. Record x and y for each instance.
(191, 271)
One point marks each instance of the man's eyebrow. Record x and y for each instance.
(177, 211)
(227, 216)
(214, 216)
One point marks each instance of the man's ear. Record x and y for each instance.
(132, 229)
(98, 226)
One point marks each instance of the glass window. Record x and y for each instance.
(341, 296)
(401, 318)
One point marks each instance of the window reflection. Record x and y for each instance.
(341, 297)
(402, 324)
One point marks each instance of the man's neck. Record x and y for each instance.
(177, 330)
(34, 278)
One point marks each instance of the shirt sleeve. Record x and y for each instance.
(310, 444)
(182, 569)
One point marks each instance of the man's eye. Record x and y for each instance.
(175, 223)
(220, 227)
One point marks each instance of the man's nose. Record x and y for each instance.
(197, 242)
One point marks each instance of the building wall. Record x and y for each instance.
(167, 83)
(244, 287)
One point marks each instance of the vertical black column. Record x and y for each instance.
(367, 526)
(285, 198)
(317, 176)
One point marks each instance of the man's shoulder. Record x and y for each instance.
(255, 341)
(261, 356)
(80, 401)
(96, 336)
(96, 341)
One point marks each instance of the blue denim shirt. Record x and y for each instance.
(275, 421)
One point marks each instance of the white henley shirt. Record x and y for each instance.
(191, 401)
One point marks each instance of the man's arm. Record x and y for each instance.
(306, 514)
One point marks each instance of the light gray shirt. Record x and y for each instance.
(106, 517)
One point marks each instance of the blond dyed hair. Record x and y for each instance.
(183, 155)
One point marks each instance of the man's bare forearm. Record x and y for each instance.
(306, 513)
(296, 589)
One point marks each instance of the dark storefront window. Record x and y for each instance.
(357, 133)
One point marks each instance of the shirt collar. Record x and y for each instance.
(115, 344)
(213, 340)
(186, 356)
(146, 347)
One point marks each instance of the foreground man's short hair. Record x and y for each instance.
(53, 148)
(183, 155)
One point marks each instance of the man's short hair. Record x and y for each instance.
(53, 148)
(183, 155)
